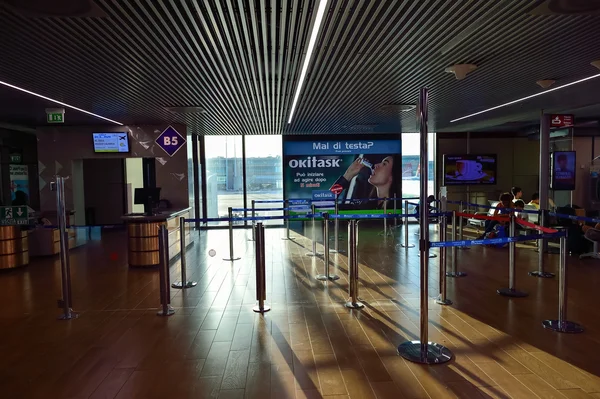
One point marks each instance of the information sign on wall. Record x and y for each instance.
(19, 183)
(170, 141)
(561, 120)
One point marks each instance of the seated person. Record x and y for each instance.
(519, 207)
(576, 243)
(503, 207)
(517, 193)
(535, 201)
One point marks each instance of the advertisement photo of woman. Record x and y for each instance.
(364, 184)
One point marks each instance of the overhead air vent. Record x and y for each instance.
(55, 8)
(567, 7)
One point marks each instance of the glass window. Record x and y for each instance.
(264, 175)
(224, 176)
(411, 165)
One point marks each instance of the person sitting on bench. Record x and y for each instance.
(502, 207)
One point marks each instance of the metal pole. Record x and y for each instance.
(454, 272)
(327, 275)
(314, 233)
(512, 291)
(287, 221)
(253, 221)
(406, 244)
(542, 248)
(353, 302)
(230, 213)
(442, 299)
(163, 272)
(261, 279)
(562, 324)
(336, 226)
(184, 283)
(384, 219)
(460, 226)
(423, 351)
(66, 303)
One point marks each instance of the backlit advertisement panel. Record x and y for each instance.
(355, 170)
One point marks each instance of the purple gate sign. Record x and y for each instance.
(170, 140)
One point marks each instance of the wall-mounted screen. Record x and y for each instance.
(111, 142)
(469, 170)
(563, 170)
(354, 169)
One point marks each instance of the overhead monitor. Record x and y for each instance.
(111, 142)
(478, 169)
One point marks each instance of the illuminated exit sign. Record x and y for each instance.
(55, 115)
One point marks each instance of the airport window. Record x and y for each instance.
(411, 165)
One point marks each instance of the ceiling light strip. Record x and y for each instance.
(311, 46)
(58, 102)
(527, 97)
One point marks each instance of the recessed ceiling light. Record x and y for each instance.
(397, 107)
(460, 71)
(545, 83)
(58, 102)
(309, 51)
(527, 97)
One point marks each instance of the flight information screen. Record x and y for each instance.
(111, 142)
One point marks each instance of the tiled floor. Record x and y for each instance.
(309, 345)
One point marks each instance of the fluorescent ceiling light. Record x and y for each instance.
(58, 102)
(527, 97)
(311, 46)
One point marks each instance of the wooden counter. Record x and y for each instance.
(142, 236)
(14, 249)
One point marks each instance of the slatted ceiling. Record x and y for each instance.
(240, 60)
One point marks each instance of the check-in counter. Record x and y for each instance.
(142, 236)
(14, 248)
(45, 241)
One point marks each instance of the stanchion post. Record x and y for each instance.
(184, 283)
(424, 351)
(66, 302)
(287, 220)
(542, 245)
(512, 291)
(395, 210)
(314, 233)
(253, 224)
(442, 299)
(385, 219)
(163, 273)
(353, 302)
(406, 244)
(230, 213)
(460, 226)
(454, 272)
(562, 324)
(326, 276)
(261, 278)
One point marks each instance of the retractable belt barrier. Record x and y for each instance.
(308, 201)
(308, 216)
(490, 207)
(494, 241)
(292, 208)
(572, 217)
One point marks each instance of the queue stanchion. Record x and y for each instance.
(424, 351)
(512, 291)
(314, 233)
(353, 302)
(562, 324)
(66, 302)
(253, 221)
(184, 283)
(385, 219)
(231, 257)
(540, 272)
(406, 244)
(460, 226)
(454, 272)
(326, 276)
(395, 211)
(163, 272)
(287, 221)
(442, 299)
(261, 272)
(336, 228)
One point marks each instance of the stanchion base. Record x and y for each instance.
(541, 274)
(436, 353)
(232, 259)
(170, 311)
(407, 246)
(354, 305)
(564, 327)
(430, 255)
(264, 309)
(70, 316)
(315, 254)
(512, 293)
(181, 285)
(456, 274)
(322, 277)
(441, 301)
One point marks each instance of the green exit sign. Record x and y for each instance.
(55, 117)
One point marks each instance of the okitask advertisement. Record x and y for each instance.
(355, 170)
